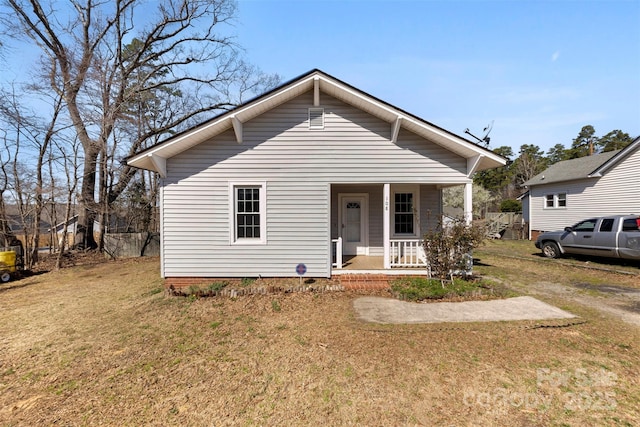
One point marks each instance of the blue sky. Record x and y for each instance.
(540, 70)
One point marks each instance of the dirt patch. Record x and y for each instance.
(608, 289)
(609, 286)
(633, 307)
(72, 258)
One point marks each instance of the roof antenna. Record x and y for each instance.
(485, 134)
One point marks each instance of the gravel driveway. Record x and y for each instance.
(619, 301)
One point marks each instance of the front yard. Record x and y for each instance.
(103, 344)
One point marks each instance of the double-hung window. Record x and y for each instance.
(403, 213)
(556, 200)
(561, 199)
(405, 199)
(247, 213)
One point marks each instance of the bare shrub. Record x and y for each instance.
(448, 248)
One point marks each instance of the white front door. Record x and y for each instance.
(354, 211)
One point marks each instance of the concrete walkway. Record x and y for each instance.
(388, 310)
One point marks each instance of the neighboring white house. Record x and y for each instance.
(307, 171)
(572, 190)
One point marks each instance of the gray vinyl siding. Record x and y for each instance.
(299, 167)
(617, 192)
(430, 208)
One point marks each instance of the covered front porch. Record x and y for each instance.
(378, 228)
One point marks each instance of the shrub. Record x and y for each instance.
(448, 248)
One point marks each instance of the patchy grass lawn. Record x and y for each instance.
(103, 344)
(518, 261)
(420, 289)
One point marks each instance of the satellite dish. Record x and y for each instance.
(485, 134)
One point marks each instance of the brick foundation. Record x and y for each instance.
(344, 281)
(364, 281)
(185, 282)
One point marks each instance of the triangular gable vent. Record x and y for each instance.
(316, 118)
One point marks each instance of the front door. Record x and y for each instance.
(354, 212)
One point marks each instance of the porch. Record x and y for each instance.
(407, 257)
(378, 228)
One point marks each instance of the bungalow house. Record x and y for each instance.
(299, 179)
(576, 189)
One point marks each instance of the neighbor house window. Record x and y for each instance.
(557, 200)
(548, 201)
(403, 213)
(562, 200)
(248, 213)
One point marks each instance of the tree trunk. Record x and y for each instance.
(84, 238)
(6, 235)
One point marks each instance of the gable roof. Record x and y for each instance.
(154, 158)
(583, 167)
(622, 154)
(568, 170)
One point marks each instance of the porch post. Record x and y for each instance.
(386, 225)
(468, 202)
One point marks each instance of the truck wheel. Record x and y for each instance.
(5, 276)
(550, 250)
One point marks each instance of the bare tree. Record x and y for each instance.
(70, 164)
(110, 73)
(6, 235)
(529, 163)
(29, 183)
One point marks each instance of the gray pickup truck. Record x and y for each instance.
(616, 236)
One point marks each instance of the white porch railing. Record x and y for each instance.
(407, 253)
(336, 249)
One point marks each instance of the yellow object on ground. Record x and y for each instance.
(8, 261)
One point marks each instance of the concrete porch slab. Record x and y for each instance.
(388, 310)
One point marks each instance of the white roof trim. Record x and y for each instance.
(316, 91)
(160, 164)
(395, 129)
(237, 128)
(615, 159)
(472, 164)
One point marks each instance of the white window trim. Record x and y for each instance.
(556, 200)
(233, 240)
(405, 188)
